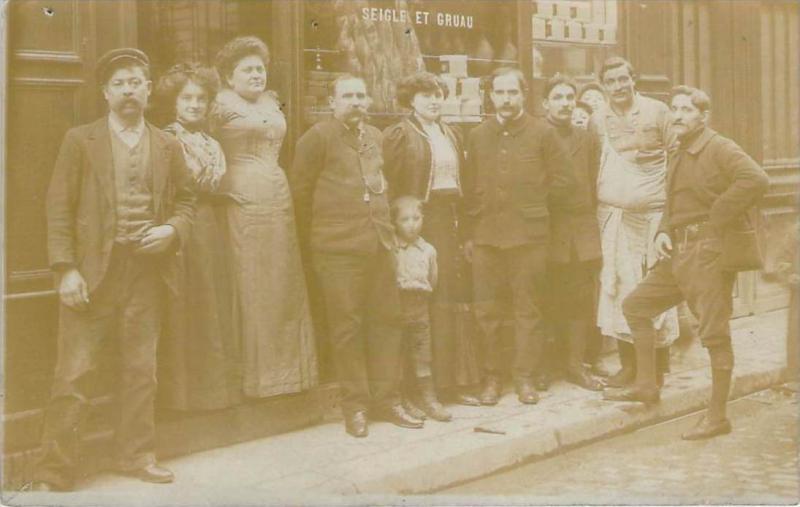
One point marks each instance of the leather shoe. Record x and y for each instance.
(598, 370)
(583, 379)
(623, 378)
(397, 416)
(633, 393)
(39, 487)
(526, 392)
(151, 473)
(468, 399)
(356, 424)
(412, 409)
(705, 428)
(491, 391)
(541, 381)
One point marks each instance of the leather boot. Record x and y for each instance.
(720, 390)
(662, 364)
(491, 391)
(576, 331)
(627, 361)
(429, 403)
(644, 389)
(706, 428)
(411, 408)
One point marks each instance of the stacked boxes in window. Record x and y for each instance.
(589, 21)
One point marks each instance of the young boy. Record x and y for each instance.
(416, 278)
(581, 115)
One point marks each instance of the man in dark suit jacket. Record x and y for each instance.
(516, 174)
(119, 202)
(711, 185)
(342, 211)
(575, 254)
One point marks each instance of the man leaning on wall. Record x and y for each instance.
(120, 201)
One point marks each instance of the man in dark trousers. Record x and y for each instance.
(120, 201)
(575, 254)
(711, 185)
(516, 174)
(343, 214)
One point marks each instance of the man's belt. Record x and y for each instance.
(692, 232)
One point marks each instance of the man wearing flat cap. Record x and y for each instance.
(119, 203)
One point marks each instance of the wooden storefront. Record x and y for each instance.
(743, 52)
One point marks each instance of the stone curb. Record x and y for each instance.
(525, 442)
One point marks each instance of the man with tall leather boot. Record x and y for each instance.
(711, 185)
(574, 258)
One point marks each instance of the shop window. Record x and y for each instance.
(384, 40)
(572, 37)
(172, 31)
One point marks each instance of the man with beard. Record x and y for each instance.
(711, 185)
(516, 174)
(343, 215)
(575, 244)
(120, 201)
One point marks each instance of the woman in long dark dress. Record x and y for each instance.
(198, 353)
(423, 157)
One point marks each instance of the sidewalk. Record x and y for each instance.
(325, 465)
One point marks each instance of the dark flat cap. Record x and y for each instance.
(117, 58)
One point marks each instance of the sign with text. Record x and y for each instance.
(442, 19)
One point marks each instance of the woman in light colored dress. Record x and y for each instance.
(277, 340)
(199, 351)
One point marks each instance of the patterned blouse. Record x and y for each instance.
(203, 155)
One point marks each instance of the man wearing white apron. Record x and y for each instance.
(631, 195)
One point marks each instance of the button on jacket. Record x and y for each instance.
(337, 210)
(726, 181)
(81, 200)
(407, 151)
(574, 228)
(516, 174)
(416, 265)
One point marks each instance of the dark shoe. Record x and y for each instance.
(151, 473)
(542, 382)
(582, 378)
(646, 396)
(707, 429)
(39, 487)
(526, 392)
(465, 398)
(356, 424)
(429, 403)
(491, 391)
(623, 378)
(627, 361)
(412, 409)
(397, 416)
(598, 370)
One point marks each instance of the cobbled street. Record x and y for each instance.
(756, 463)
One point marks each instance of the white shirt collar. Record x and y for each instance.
(118, 128)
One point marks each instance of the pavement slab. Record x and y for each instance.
(323, 463)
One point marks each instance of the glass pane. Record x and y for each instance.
(385, 40)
